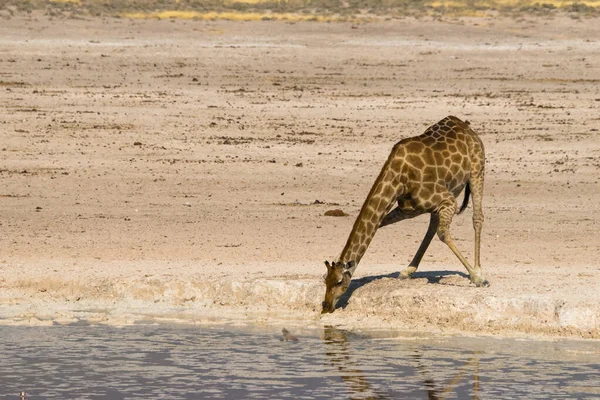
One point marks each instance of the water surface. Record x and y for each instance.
(193, 362)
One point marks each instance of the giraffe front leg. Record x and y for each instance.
(414, 264)
(396, 215)
(446, 212)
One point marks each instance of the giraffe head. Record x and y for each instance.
(337, 281)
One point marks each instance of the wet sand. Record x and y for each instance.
(180, 170)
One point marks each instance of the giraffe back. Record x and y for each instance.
(441, 159)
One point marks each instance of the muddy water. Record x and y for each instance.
(166, 361)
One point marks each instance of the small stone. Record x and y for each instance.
(335, 213)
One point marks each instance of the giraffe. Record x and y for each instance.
(423, 174)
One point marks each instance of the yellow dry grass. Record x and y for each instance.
(232, 16)
(508, 3)
(229, 2)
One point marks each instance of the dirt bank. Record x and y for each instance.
(182, 169)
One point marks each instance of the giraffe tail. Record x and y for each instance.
(465, 202)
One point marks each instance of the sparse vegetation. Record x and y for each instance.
(296, 10)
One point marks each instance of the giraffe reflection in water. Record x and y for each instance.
(434, 392)
(339, 355)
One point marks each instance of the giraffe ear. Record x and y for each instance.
(350, 265)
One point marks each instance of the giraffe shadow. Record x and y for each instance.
(433, 277)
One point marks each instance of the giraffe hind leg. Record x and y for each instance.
(477, 183)
(446, 212)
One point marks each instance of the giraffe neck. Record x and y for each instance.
(381, 198)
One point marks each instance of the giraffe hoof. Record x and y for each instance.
(407, 273)
(481, 282)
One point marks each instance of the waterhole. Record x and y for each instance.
(204, 362)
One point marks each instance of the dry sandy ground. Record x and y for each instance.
(171, 170)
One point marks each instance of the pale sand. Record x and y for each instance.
(176, 165)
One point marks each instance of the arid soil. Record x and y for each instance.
(181, 170)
